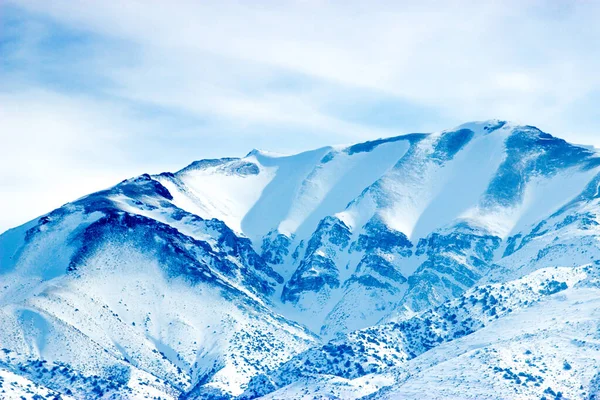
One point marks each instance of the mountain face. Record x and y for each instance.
(461, 264)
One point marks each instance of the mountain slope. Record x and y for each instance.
(531, 338)
(110, 282)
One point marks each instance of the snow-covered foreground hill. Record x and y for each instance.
(457, 264)
(536, 337)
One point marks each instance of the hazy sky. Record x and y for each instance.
(92, 92)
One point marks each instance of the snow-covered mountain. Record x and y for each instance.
(460, 263)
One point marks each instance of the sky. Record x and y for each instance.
(93, 92)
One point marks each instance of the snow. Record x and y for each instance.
(40, 262)
(162, 215)
(331, 186)
(12, 239)
(127, 306)
(461, 183)
(531, 342)
(462, 368)
(356, 216)
(421, 195)
(124, 306)
(210, 193)
(275, 201)
(329, 387)
(543, 197)
(291, 194)
(13, 386)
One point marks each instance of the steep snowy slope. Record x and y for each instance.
(568, 237)
(121, 287)
(433, 225)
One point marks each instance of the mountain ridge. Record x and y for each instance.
(228, 269)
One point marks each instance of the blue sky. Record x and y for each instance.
(93, 92)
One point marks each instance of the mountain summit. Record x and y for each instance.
(461, 261)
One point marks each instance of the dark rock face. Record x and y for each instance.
(244, 168)
(374, 271)
(451, 143)
(377, 236)
(493, 126)
(369, 146)
(378, 242)
(318, 268)
(454, 262)
(312, 275)
(275, 247)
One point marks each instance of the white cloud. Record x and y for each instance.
(55, 149)
(474, 59)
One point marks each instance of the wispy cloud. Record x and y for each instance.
(126, 86)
